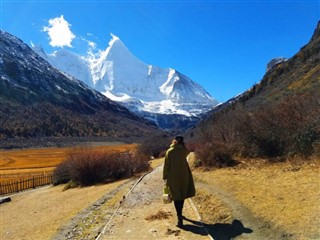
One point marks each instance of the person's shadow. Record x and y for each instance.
(218, 231)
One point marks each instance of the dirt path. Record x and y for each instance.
(40, 213)
(135, 210)
(88, 223)
(244, 221)
(130, 221)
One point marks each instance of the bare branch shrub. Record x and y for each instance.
(87, 166)
(215, 155)
(289, 126)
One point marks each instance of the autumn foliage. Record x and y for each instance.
(88, 166)
(286, 128)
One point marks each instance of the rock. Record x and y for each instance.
(5, 199)
(274, 62)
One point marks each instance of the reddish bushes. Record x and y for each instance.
(87, 166)
(214, 155)
(290, 126)
(287, 128)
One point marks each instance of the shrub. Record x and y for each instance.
(61, 173)
(88, 166)
(214, 155)
(261, 134)
(305, 141)
(155, 145)
(288, 127)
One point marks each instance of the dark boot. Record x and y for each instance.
(180, 221)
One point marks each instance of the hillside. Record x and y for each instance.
(39, 101)
(278, 116)
(298, 75)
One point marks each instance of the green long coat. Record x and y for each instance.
(177, 173)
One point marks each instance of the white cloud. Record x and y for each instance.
(59, 32)
(92, 44)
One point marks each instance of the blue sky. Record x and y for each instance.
(222, 45)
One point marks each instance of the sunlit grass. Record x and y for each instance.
(15, 164)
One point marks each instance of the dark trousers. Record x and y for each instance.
(179, 205)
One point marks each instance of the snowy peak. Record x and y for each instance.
(116, 52)
(179, 88)
(40, 101)
(67, 62)
(71, 64)
(117, 61)
(141, 87)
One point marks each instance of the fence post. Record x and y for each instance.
(23, 184)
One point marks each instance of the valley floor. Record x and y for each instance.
(250, 201)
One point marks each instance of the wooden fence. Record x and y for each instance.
(24, 184)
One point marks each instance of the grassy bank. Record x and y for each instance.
(284, 195)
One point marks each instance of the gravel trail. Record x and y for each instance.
(145, 201)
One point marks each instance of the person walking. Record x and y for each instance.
(177, 175)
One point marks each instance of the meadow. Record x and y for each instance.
(23, 163)
(280, 197)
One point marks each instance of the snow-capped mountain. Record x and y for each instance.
(143, 88)
(37, 100)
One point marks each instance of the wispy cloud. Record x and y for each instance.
(90, 44)
(59, 32)
(93, 45)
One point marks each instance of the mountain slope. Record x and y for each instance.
(38, 100)
(278, 116)
(148, 90)
(297, 75)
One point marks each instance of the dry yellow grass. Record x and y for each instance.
(156, 162)
(301, 83)
(15, 164)
(39, 214)
(284, 194)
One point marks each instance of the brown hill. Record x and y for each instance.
(278, 116)
(299, 75)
